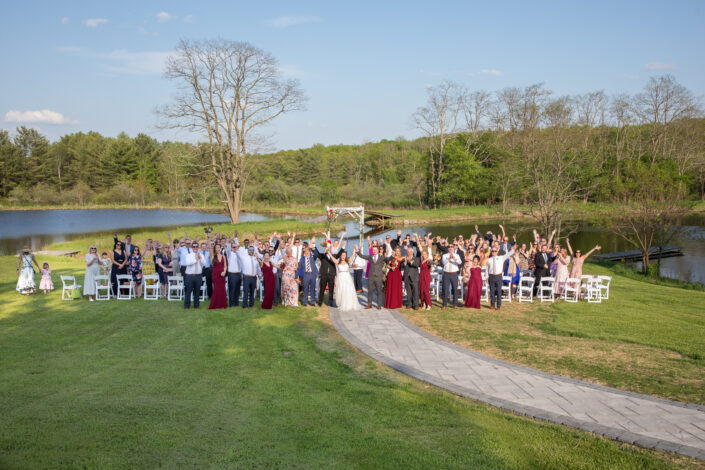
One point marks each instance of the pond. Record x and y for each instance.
(39, 228)
(690, 267)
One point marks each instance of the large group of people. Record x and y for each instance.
(295, 272)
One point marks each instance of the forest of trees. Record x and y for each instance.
(517, 145)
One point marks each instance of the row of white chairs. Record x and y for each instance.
(592, 288)
(151, 288)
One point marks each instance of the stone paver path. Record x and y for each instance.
(388, 337)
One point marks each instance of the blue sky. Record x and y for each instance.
(72, 66)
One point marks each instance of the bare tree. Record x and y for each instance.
(439, 121)
(592, 108)
(227, 92)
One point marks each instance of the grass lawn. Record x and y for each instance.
(140, 384)
(646, 338)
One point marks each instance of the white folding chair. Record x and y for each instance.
(125, 291)
(507, 288)
(434, 286)
(151, 286)
(604, 283)
(526, 289)
(204, 290)
(175, 288)
(571, 289)
(546, 289)
(69, 287)
(103, 289)
(594, 291)
(461, 289)
(485, 291)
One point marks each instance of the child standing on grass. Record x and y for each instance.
(105, 264)
(45, 284)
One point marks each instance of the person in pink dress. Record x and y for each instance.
(270, 280)
(394, 295)
(220, 269)
(45, 285)
(425, 280)
(290, 288)
(562, 274)
(579, 259)
(474, 284)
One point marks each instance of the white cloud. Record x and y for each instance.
(660, 66)
(94, 22)
(188, 18)
(494, 72)
(163, 17)
(65, 20)
(284, 21)
(45, 116)
(135, 63)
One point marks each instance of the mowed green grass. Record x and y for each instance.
(646, 338)
(139, 384)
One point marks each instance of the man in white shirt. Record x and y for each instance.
(250, 273)
(193, 262)
(451, 265)
(207, 267)
(495, 271)
(234, 273)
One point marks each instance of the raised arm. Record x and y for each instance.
(570, 248)
(553, 233)
(597, 247)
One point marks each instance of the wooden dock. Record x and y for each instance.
(57, 252)
(636, 255)
(378, 219)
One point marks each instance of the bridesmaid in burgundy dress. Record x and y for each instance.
(425, 280)
(394, 295)
(220, 268)
(270, 280)
(474, 284)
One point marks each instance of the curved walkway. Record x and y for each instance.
(388, 337)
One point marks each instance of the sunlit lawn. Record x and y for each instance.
(140, 384)
(646, 338)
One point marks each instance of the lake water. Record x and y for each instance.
(41, 228)
(690, 267)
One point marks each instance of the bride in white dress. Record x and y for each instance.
(345, 295)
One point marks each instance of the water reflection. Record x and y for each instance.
(44, 227)
(583, 236)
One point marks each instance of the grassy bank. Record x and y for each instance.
(139, 384)
(646, 338)
(264, 228)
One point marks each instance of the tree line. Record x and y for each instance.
(516, 145)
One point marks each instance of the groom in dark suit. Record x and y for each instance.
(542, 261)
(375, 279)
(327, 275)
(411, 278)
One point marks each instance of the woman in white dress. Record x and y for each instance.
(25, 271)
(92, 270)
(345, 295)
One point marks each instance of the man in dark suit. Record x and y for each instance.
(307, 273)
(375, 279)
(411, 279)
(327, 275)
(542, 261)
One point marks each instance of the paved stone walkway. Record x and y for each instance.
(388, 337)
